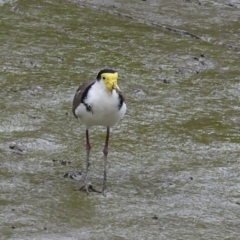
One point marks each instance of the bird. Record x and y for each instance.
(99, 102)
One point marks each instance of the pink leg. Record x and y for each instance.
(86, 185)
(88, 148)
(105, 153)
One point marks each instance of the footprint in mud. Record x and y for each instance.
(62, 162)
(164, 80)
(17, 148)
(75, 175)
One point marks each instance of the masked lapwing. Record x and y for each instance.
(99, 103)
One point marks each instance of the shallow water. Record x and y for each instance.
(174, 158)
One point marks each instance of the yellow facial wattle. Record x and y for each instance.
(110, 80)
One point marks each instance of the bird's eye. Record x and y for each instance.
(103, 78)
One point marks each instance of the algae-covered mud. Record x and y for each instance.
(173, 159)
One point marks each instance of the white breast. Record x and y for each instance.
(104, 105)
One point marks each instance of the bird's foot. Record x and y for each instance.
(87, 186)
(104, 190)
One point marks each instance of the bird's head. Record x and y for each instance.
(109, 77)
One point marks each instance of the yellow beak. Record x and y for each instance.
(115, 86)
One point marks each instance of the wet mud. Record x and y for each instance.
(173, 159)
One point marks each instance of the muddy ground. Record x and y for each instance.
(174, 158)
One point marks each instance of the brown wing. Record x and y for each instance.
(80, 93)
